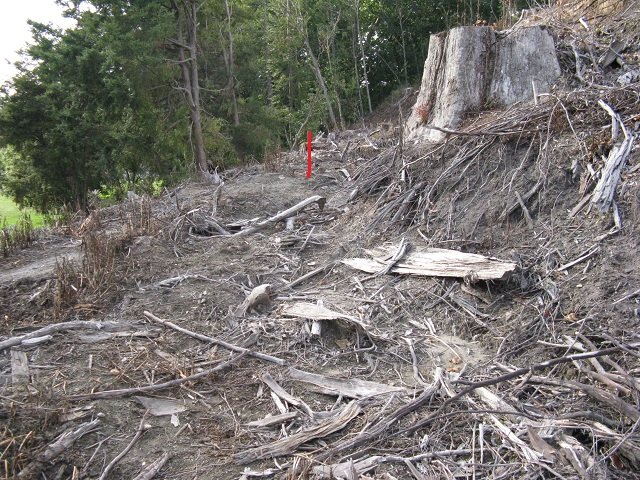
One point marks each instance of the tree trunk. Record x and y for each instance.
(186, 19)
(469, 68)
(403, 45)
(229, 62)
(315, 66)
(363, 57)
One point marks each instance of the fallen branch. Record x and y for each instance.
(349, 387)
(287, 445)
(516, 374)
(60, 327)
(125, 392)
(437, 262)
(606, 186)
(309, 275)
(378, 428)
(282, 215)
(153, 468)
(284, 395)
(215, 341)
(62, 443)
(143, 427)
(340, 470)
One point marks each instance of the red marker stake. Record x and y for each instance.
(309, 164)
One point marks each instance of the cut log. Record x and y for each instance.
(436, 262)
(469, 68)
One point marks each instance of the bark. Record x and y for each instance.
(317, 72)
(229, 61)
(469, 68)
(186, 19)
(363, 56)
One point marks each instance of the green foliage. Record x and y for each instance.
(102, 106)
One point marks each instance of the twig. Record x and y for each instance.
(125, 392)
(627, 296)
(580, 259)
(215, 341)
(309, 275)
(153, 468)
(143, 427)
(525, 210)
(515, 374)
(397, 256)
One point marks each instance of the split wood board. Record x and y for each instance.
(436, 262)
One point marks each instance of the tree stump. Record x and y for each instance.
(472, 68)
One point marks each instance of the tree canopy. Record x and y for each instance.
(145, 89)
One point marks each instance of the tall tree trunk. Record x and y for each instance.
(315, 66)
(363, 57)
(186, 19)
(403, 44)
(229, 62)
(354, 39)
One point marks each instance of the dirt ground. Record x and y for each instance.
(446, 350)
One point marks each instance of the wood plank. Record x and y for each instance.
(437, 262)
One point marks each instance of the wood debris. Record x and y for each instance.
(259, 298)
(437, 262)
(350, 388)
(289, 444)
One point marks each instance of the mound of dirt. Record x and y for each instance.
(161, 338)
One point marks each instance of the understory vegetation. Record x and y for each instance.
(146, 91)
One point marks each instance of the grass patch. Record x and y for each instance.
(11, 212)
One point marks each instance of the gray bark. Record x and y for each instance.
(186, 18)
(469, 68)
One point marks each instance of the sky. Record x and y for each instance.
(14, 31)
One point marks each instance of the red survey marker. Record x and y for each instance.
(309, 164)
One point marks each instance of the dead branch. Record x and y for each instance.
(153, 468)
(125, 392)
(289, 444)
(606, 186)
(215, 341)
(283, 215)
(309, 275)
(350, 387)
(437, 262)
(516, 374)
(143, 427)
(284, 395)
(62, 443)
(60, 327)
(372, 433)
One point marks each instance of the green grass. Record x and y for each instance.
(11, 211)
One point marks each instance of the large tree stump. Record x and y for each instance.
(469, 68)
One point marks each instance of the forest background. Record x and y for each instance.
(142, 93)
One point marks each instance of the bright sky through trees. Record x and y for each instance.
(15, 32)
